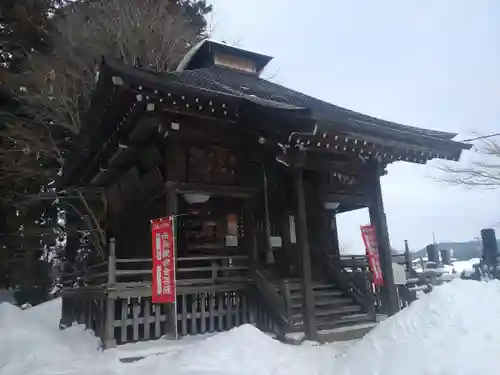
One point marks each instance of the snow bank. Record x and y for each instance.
(244, 351)
(466, 265)
(31, 343)
(31, 340)
(453, 330)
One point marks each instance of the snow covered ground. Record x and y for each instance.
(466, 265)
(454, 330)
(458, 266)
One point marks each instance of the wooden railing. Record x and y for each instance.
(212, 269)
(189, 271)
(353, 275)
(406, 293)
(362, 260)
(94, 275)
(274, 299)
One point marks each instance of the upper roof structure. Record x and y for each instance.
(209, 52)
(231, 89)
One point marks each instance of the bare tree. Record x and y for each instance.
(55, 90)
(483, 171)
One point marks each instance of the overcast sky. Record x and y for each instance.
(428, 63)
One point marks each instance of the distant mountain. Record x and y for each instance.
(461, 250)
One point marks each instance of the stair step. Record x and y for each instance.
(338, 310)
(321, 286)
(331, 312)
(328, 293)
(323, 295)
(343, 333)
(297, 285)
(337, 301)
(326, 326)
(331, 322)
(296, 293)
(346, 333)
(343, 321)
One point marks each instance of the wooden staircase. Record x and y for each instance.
(338, 311)
(334, 307)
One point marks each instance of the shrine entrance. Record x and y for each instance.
(210, 225)
(214, 241)
(221, 235)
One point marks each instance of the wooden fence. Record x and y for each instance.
(114, 299)
(119, 319)
(213, 309)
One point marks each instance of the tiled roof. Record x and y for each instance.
(243, 84)
(295, 113)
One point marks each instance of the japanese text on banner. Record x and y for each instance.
(370, 240)
(163, 242)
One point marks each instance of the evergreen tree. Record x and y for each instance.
(25, 27)
(50, 52)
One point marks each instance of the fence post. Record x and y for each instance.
(63, 322)
(109, 340)
(112, 262)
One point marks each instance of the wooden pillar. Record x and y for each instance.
(309, 314)
(379, 220)
(267, 225)
(334, 231)
(250, 230)
(172, 210)
(175, 171)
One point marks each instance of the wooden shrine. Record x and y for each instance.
(254, 174)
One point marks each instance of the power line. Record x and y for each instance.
(482, 137)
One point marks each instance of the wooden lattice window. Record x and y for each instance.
(212, 165)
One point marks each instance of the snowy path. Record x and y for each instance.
(454, 330)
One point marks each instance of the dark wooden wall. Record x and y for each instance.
(205, 152)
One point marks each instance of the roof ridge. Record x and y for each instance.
(348, 113)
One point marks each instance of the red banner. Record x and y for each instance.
(163, 244)
(369, 235)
